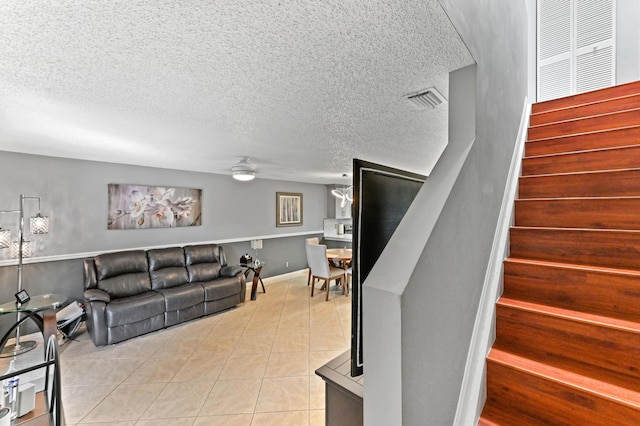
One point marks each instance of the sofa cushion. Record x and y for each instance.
(182, 297)
(135, 308)
(167, 268)
(123, 274)
(113, 264)
(202, 261)
(221, 288)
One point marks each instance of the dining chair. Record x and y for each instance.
(349, 273)
(315, 241)
(320, 268)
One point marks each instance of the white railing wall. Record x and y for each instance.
(472, 394)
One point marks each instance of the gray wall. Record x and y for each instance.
(74, 196)
(440, 303)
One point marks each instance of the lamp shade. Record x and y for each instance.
(5, 238)
(27, 248)
(39, 224)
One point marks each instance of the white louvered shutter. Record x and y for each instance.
(576, 46)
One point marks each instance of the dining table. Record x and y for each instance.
(344, 256)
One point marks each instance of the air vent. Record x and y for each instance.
(424, 99)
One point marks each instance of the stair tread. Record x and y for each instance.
(586, 151)
(551, 228)
(590, 132)
(618, 271)
(582, 105)
(597, 139)
(611, 92)
(617, 197)
(603, 389)
(576, 119)
(593, 319)
(589, 172)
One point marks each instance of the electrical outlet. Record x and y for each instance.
(286, 264)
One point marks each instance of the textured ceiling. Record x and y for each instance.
(300, 86)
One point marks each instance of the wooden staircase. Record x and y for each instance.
(567, 349)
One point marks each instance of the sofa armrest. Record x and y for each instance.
(231, 271)
(96, 295)
(95, 307)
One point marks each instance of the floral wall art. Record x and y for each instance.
(140, 207)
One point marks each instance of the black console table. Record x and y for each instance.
(343, 393)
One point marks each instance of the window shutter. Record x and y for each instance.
(576, 46)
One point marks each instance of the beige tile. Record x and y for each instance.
(261, 328)
(232, 397)
(197, 353)
(97, 372)
(267, 315)
(216, 345)
(230, 420)
(291, 343)
(179, 400)
(328, 342)
(328, 326)
(185, 421)
(109, 423)
(254, 344)
(293, 326)
(287, 364)
(319, 358)
(200, 368)
(180, 346)
(316, 418)
(157, 370)
(126, 402)
(290, 418)
(283, 394)
(245, 366)
(316, 393)
(239, 315)
(78, 401)
(329, 315)
(227, 329)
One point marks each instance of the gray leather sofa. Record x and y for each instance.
(131, 293)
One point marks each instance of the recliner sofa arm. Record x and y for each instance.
(231, 271)
(95, 315)
(96, 295)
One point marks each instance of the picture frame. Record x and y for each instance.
(132, 206)
(289, 209)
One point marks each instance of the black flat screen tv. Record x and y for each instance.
(382, 195)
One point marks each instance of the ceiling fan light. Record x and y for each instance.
(243, 175)
(243, 170)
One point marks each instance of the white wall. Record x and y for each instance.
(628, 41)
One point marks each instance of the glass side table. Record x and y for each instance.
(45, 304)
(256, 267)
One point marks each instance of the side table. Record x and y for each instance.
(256, 268)
(48, 404)
(46, 304)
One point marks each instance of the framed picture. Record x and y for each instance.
(288, 208)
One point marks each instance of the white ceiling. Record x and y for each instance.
(300, 86)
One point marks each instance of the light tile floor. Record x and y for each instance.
(252, 365)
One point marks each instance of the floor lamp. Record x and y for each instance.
(20, 248)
